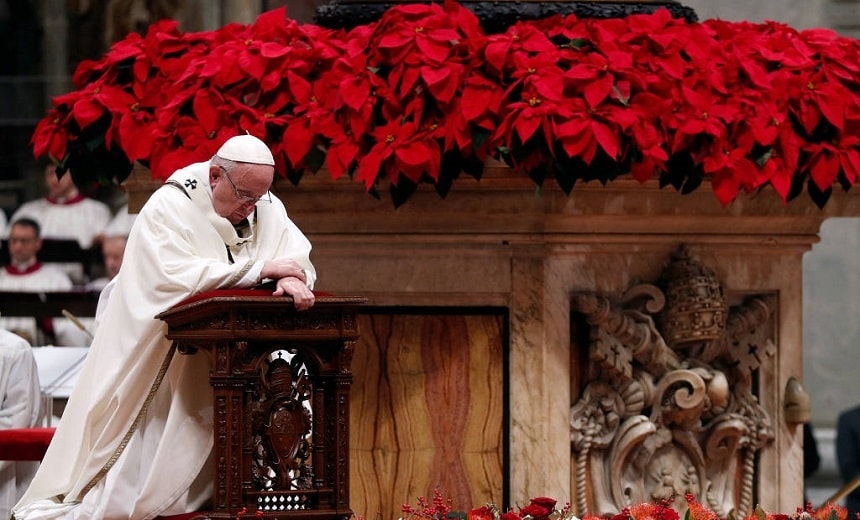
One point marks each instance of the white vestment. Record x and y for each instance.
(20, 407)
(80, 219)
(121, 223)
(178, 247)
(39, 278)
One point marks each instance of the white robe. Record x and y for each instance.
(82, 220)
(20, 407)
(121, 223)
(176, 249)
(45, 279)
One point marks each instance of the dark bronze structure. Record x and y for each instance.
(499, 15)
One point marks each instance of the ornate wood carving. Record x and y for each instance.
(281, 383)
(667, 405)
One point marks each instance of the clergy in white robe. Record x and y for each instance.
(24, 273)
(136, 436)
(20, 407)
(65, 213)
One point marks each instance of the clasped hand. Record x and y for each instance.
(291, 281)
(303, 298)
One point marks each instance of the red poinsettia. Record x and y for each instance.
(746, 105)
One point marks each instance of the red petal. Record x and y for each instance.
(354, 91)
(823, 169)
(526, 125)
(433, 49)
(725, 187)
(607, 138)
(369, 166)
(299, 87)
(300, 138)
(597, 91)
(497, 52)
(87, 112)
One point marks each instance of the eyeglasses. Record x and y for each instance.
(246, 199)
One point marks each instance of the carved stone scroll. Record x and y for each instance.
(667, 405)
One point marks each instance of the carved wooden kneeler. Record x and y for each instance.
(281, 381)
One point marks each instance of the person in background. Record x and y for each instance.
(811, 457)
(20, 407)
(24, 273)
(65, 213)
(848, 455)
(113, 249)
(136, 437)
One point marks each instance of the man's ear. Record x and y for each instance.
(214, 175)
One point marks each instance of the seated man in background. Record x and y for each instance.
(113, 249)
(65, 213)
(24, 273)
(20, 407)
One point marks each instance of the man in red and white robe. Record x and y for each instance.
(65, 213)
(25, 273)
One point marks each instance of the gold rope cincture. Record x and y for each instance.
(134, 425)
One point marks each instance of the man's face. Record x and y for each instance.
(113, 249)
(23, 244)
(235, 192)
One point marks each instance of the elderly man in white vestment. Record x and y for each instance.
(20, 407)
(135, 440)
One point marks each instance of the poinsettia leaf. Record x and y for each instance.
(273, 50)
(725, 187)
(565, 178)
(474, 102)
(832, 107)
(550, 85)
(402, 190)
(818, 196)
(850, 162)
(824, 168)
(314, 159)
(300, 138)
(369, 166)
(496, 52)
(449, 170)
(434, 49)
(596, 91)
(607, 138)
(299, 87)
(526, 125)
(87, 112)
(355, 91)
(394, 40)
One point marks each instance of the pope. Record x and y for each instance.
(135, 440)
